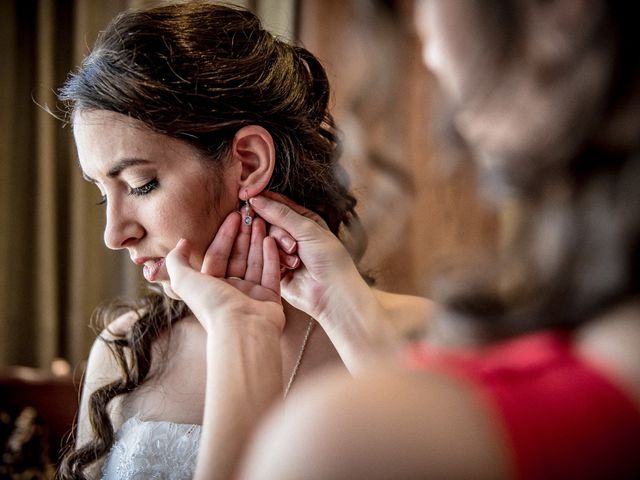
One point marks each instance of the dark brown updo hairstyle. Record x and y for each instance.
(199, 72)
(572, 173)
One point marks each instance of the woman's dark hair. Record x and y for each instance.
(576, 183)
(199, 72)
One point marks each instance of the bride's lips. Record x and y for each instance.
(152, 267)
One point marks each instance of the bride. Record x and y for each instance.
(181, 114)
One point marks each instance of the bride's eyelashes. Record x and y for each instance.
(136, 191)
(145, 189)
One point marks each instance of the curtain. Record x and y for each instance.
(54, 267)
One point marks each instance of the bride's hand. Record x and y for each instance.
(235, 294)
(251, 289)
(236, 261)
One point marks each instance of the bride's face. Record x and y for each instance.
(156, 189)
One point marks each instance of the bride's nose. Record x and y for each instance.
(122, 226)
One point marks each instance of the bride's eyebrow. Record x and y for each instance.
(125, 163)
(119, 167)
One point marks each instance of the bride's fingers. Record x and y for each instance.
(255, 259)
(216, 257)
(271, 268)
(237, 265)
(181, 274)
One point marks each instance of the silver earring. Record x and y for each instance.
(246, 213)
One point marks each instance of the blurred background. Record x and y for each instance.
(421, 215)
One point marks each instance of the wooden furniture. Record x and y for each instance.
(53, 398)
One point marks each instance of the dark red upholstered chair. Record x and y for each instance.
(46, 406)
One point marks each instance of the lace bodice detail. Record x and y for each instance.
(153, 450)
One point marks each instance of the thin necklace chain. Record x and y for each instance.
(300, 355)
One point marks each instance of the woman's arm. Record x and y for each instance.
(244, 321)
(409, 315)
(384, 424)
(329, 287)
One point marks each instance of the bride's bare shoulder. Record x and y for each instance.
(121, 325)
(102, 369)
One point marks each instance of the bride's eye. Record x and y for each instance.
(145, 189)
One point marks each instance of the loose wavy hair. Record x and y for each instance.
(199, 72)
(573, 175)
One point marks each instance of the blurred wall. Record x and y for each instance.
(422, 215)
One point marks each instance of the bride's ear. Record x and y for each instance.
(253, 147)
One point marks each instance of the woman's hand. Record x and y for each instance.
(250, 262)
(236, 262)
(324, 260)
(328, 286)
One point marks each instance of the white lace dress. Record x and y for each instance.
(153, 450)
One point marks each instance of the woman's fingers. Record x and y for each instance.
(283, 216)
(237, 249)
(285, 242)
(216, 258)
(278, 197)
(290, 262)
(255, 258)
(180, 271)
(271, 268)
(237, 265)
(179, 256)
(213, 299)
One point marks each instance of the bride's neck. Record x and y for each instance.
(294, 331)
(318, 351)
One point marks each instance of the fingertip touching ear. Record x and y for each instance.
(253, 147)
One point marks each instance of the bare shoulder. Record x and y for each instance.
(611, 343)
(102, 369)
(387, 424)
(410, 314)
(121, 325)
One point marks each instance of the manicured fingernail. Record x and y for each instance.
(258, 202)
(292, 261)
(288, 244)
